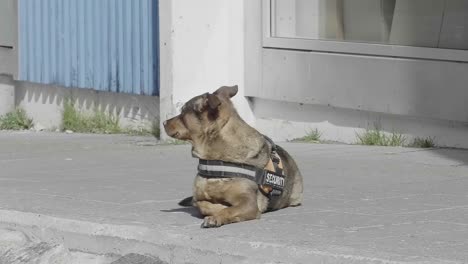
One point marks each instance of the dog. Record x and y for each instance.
(232, 156)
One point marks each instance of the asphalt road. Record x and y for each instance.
(118, 195)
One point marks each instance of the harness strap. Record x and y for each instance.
(272, 143)
(224, 169)
(270, 180)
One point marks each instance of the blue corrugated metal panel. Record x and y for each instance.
(107, 45)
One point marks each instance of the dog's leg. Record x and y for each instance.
(206, 208)
(245, 209)
(297, 191)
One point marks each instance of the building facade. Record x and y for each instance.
(341, 67)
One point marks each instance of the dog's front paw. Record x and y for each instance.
(211, 221)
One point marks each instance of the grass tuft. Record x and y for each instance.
(313, 136)
(379, 138)
(418, 142)
(99, 122)
(16, 120)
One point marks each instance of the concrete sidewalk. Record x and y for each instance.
(119, 194)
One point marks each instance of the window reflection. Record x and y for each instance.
(424, 23)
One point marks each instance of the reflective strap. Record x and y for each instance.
(225, 170)
(228, 164)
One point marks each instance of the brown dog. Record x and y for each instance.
(222, 140)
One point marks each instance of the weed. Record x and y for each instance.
(396, 140)
(419, 142)
(313, 136)
(379, 138)
(99, 122)
(16, 120)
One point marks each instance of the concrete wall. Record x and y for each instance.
(7, 94)
(419, 88)
(44, 103)
(8, 61)
(201, 50)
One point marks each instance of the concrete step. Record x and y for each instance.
(46, 239)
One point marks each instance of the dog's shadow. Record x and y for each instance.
(189, 210)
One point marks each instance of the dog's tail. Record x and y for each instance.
(187, 201)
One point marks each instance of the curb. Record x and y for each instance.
(170, 247)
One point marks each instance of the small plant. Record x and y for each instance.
(419, 142)
(16, 120)
(313, 136)
(396, 140)
(102, 122)
(379, 138)
(99, 122)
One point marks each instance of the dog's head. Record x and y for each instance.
(202, 116)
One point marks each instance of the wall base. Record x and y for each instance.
(44, 103)
(286, 121)
(7, 94)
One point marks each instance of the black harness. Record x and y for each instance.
(271, 183)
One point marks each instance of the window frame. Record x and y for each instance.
(353, 48)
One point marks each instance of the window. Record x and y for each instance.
(7, 24)
(433, 29)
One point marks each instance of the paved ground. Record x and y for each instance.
(117, 194)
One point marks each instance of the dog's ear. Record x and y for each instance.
(213, 101)
(207, 102)
(227, 91)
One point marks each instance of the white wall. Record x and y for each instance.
(44, 104)
(344, 94)
(201, 49)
